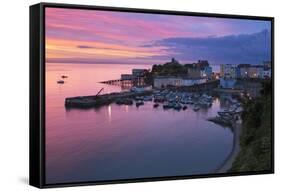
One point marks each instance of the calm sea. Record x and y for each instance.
(124, 142)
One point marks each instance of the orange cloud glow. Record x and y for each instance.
(61, 48)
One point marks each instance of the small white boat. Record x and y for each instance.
(139, 98)
(196, 108)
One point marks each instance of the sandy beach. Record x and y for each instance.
(226, 165)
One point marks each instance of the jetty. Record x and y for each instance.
(113, 82)
(100, 100)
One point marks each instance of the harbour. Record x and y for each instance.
(176, 94)
(181, 130)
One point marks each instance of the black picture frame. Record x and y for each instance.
(37, 93)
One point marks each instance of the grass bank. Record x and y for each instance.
(255, 139)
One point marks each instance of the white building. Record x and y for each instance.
(163, 81)
(255, 71)
(138, 72)
(251, 71)
(207, 72)
(127, 77)
(228, 71)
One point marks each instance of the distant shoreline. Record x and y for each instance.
(216, 67)
(105, 63)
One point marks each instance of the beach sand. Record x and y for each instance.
(237, 128)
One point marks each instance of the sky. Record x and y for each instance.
(101, 37)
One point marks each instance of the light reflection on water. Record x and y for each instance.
(109, 113)
(121, 142)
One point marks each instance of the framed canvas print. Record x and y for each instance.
(126, 95)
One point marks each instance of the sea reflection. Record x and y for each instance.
(109, 113)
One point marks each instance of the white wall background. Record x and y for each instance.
(14, 88)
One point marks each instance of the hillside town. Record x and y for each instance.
(175, 74)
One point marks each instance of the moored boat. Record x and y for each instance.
(159, 99)
(125, 101)
(168, 105)
(155, 105)
(196, 107)
(177, 106)
(139, 98)
(147, 98)
(60, 82)
(139, 102)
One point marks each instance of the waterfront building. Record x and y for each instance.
(127, 77)
(244, 70)
(136, 78)
(164, 81)
(194, 72)
(138, 72)
(190, 82)
(255, 71)
(228, 71)
(266, 73)
(201, 69)
(267, 64)
(207, 72)
(251, 71)
(238, 72)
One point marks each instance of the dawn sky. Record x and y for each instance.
(88, 36)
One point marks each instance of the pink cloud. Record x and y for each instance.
(129, 31)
